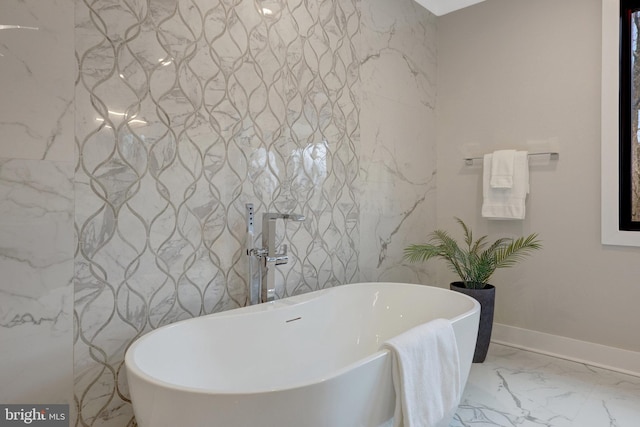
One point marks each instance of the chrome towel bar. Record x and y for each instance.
(552, 155)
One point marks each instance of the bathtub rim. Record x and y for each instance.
(132, 368)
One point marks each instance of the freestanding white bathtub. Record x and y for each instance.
(311, 360)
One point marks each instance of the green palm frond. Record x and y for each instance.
(477, 263)
(479, 244)
(517, 250)
(468, 235)
(415, 253)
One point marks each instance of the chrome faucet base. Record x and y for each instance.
(266, 255)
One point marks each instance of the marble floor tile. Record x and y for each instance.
(519, 388)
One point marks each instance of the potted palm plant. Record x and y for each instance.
(475, 262)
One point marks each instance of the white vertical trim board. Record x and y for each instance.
(615, 359)
(611, 234)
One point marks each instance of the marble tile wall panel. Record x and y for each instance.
(36, 201)
(186, 111)
(36, 89)
(36, 261)
(398, 162)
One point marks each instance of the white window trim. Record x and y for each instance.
(611, 234)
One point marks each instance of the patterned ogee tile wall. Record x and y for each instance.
(186, 111)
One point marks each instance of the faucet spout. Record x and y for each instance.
(272, 216)
(294, 217)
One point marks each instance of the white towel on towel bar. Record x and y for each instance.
(502, 163)
(426, 375)
(506, 203)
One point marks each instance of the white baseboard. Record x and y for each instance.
(611, 358)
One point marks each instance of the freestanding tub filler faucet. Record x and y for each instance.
(262, 286)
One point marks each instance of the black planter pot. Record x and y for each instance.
(486, 297)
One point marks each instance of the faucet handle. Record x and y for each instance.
(282, 258)
(257, 252)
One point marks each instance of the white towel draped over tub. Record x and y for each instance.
(426, 375)
(506, 203)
